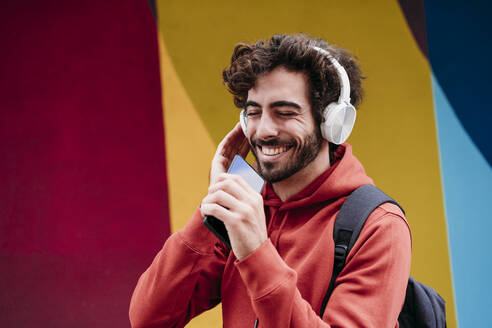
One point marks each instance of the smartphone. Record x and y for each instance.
(240, 167)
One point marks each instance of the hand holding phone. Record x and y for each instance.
(240, 167)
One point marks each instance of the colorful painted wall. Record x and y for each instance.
(108, 123)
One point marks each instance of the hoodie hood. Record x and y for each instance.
(344, 176)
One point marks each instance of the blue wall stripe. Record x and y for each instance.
(467, 179)
(458, 34)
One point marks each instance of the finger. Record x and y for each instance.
(226, 150)
(228, 137)
(244, 148)
(232, 142)
(217, 211)
(234, 185)
(228, 185)
(222, 198)
(248, 194)
(241, 182)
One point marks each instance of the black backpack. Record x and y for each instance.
(423, 306)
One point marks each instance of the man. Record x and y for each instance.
(280, 265)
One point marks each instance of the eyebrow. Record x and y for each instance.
(280, 103)
(284, 103)
(251, 103)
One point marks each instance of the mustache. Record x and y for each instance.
(272, 142)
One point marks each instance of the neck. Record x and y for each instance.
(301, 179)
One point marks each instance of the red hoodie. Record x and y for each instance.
(283, 282)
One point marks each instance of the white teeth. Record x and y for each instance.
(273, 150)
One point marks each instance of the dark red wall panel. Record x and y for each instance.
(83, 192)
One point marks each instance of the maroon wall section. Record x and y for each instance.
(83, 193)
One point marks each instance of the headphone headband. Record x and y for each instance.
(342, 75)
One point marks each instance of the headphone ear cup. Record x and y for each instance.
(242, 120)
(339, 119)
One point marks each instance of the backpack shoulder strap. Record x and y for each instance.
(348, 224)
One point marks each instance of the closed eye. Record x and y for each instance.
(252, 112)
(287, 114)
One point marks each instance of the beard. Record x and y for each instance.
(303, 153)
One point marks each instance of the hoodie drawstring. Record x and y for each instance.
(277, 237)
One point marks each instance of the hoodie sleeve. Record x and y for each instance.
(369, 292)
(183, 280)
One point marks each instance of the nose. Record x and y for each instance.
(267, 127)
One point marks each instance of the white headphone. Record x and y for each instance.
(338, 117)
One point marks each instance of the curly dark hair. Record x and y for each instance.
(295, 53)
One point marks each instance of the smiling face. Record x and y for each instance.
(280, 125)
